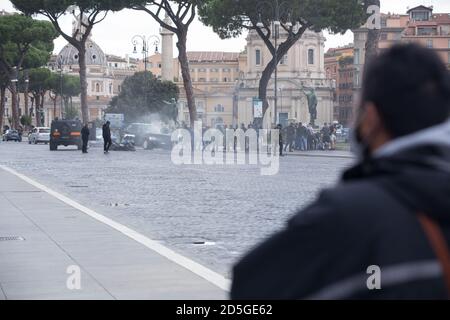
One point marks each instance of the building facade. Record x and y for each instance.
(340, 68)
(420, 25)
(226, 83)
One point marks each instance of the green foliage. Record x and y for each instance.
(71, 113)
(66, 84)
(59, 7)
(4, 79)
(71, 86)
(26, 120)
(143, 94)
(25, 42)
(229, 18)
(39, 80)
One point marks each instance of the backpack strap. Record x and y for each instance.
(439, 245)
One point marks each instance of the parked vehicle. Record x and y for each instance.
(140, 131)
(66, 133)
(39, 135)
(157, 141)
(12, 135)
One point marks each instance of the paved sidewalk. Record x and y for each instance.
(56, 236)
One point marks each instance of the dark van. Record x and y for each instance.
(65, 133)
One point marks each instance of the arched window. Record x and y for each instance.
(110, 88)
(310, 56)
(97, 87)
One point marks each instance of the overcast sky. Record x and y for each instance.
(115, 32)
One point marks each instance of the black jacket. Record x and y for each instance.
(85, 133)
(106, 131)
(370, 218)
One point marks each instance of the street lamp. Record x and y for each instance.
(279, 9)
(145, 42)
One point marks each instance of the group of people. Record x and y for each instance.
(297, 136)
(106, 132)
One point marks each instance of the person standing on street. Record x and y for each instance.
(85, 137)
(384, 231)
(280, 140)
(106, 137)
(290, 135)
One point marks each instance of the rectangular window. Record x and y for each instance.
(420, 16)
(449, 43)
(427, 31)
(449, 58)
(356, 56)
(383, 36)
(310, 56)
(429, 43)
(258, 57)
(284, 60)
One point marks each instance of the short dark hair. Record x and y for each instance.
(410, 87)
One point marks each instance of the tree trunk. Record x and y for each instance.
(186, 74)
(37, 114)
(83, 83)
(25, 97)
(54, 107)
(373, 37)
(2, 107)
(263, 84)
(283, 49)
(14, 107)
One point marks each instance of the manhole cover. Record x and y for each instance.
(12, 238)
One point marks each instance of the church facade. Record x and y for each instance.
(226, 83)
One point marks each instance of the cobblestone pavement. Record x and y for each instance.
(211, 214)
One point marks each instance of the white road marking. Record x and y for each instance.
(196, 268)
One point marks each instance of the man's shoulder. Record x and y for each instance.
(359, 202)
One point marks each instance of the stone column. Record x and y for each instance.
(167, 52)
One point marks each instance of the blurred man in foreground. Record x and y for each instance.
(384, 231)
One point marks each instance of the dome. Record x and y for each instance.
(94, 55)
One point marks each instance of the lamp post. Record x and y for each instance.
(278, 10)
(145, 42)
(27, 85)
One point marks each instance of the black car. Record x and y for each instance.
(140, 131)
(158, 141)
(12, 135)
(65, 133)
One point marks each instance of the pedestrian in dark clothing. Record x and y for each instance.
(384, 231)
(85, 138)
(280, 141)
(106, 137)
(290, 135)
